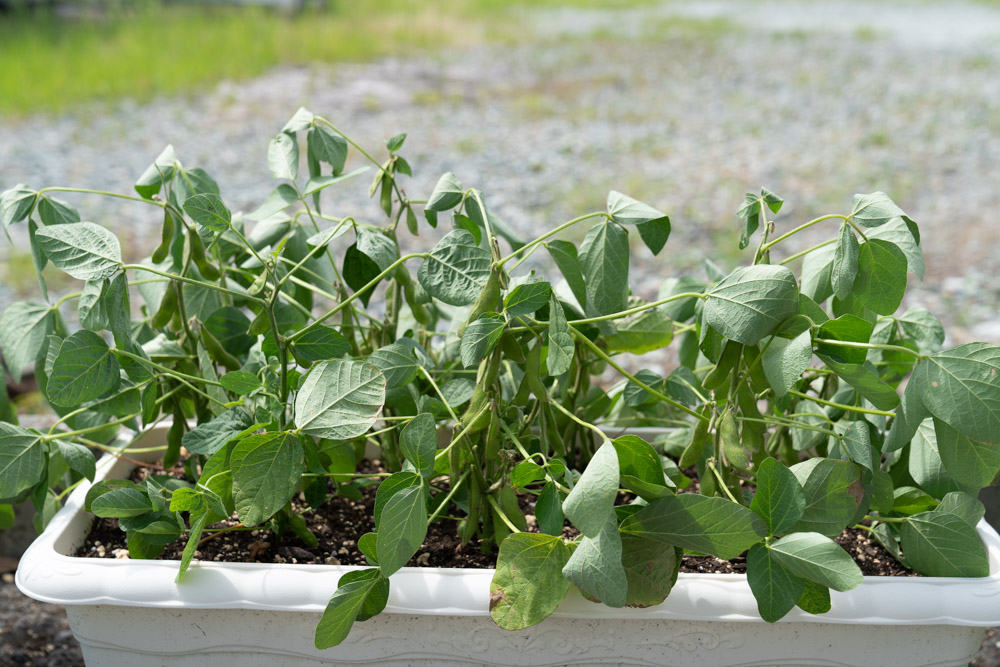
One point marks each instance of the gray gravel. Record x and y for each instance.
(673, 105)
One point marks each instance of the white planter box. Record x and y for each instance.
(132, 613)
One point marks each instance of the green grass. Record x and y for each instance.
(147, 49)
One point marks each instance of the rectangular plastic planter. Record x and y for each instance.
(126, 612)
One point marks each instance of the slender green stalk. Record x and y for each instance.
(447, 498)
(117, 195)
(722, 483)
(794, 257)
(550, 234)
(871, 346)
(500, 513)
(192, 281)
(774, 242)
(841, 406)
(437, 390)
(639, 309)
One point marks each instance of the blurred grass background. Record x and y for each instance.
(59, 55)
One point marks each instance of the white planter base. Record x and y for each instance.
(208, 638)
(132, 613)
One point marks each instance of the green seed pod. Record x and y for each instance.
(511, 508)
(166, 236)
(718, 375)
(208, 272)
(217, 352)
(174, 435)
(471, 526)
(729, 437)
(699, 438)
(487, 301)
(168, 306)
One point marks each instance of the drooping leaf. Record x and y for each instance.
(397, 363)
(78, 457)
(924, 463)
(857, 443)
(328, 146)
(22, 460)
(595, 567)
(751, 302)
(865, 380)
(786, 360)
(845, 262)
(749, 213)
(974, 464)
(651, 330)
(779, 499)
(713, 525)
(961, 387)
(277, 201)
(82, 249)
(548, 510)
(848, 328)
(54, 211)
(209, 211)
(604, 263)
(529, 583)
(640, 468)
(881, 280)
(817, 271)
(941, 544)
(815, 598)
(85, 369)
(655, 233)
(402, 527)
(819, 559)
(24, 327)
(266, 468)
(16, 204)
(283, 156)
(966, 507)
(592, 500)
(340, 399)
(565, 256)
(481, 337)
(898, 232)
(447, 194)
(456, 269)
(923, 329)
(320, 344)
(650, 569)
(774, 587)
(561, 347)
(355, 591)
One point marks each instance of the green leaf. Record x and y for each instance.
(447, 194)
(713, 525)
(833, 493)
(775, 588)
(910, 413)
(964, 506)
(548, 510)
(779, 499)
(390, 486)
(121, 503)
(627, 211)
(327, 146)
(923, 329)
(655, 234)
(592, 500)
(402, 528)
(874, 209)
(845, 262)
(749, 213)
(819, 559)
(82, 249)
(266, 468)
(16, 204)
(751, 302)
(849, 328)
(786, 360)
(561, 346)
(230, 327)
(961, 387)
(527, 298)
(339, 399)
(865, 380)
(881, 279)
(22, 460)
(564, 254)
(91, 311)
(418, 443)
(924, 463)
(817, 271)
(975, 464)
(648, 331)
(209, 437)
(277, 201)
(639, 467)
(78, 457)
(209, 211)
(355, 592)
(283, 156)
(481, 337)
(941, 544)
(528, 584)
(54, 211)
(197, 526)
(85, 369)
(595, 567)
(604, 264)
(320, 344)
(910, 500)
(152, 178)
(650, 570)
(240, 383)
(397, 363)
(6, 517)
(857, 444)
(24, 327)
(815, 598)
(898, 232)
(456, 269)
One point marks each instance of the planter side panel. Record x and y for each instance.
(206, 638)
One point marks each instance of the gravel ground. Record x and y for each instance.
(684, 112)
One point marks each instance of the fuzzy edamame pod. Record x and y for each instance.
(167, 308)
(727, 360)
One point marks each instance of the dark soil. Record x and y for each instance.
(340, 522)
(32, 632)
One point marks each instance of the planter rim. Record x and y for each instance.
(47, 574)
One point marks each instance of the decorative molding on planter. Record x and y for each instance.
(442, 613)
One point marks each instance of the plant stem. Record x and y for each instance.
(447, 498)
(639, 309)
(503, 517)
(722, 483)
(841, 406)
(771, 244)
(106, 194)
(461, 434)
(871, 346)
(887, 519)
(437, 390)
(192, 281)
(807, 251)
